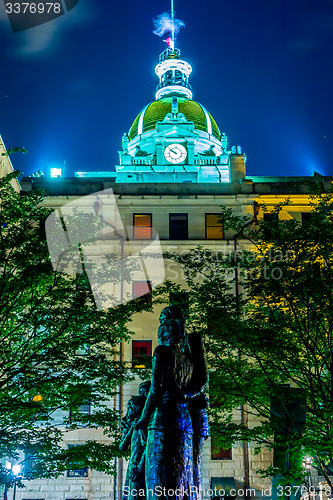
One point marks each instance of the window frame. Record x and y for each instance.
(148, 356)
(170, 225)
(221, 454)
(306, 218)
(151, 225)
(273, 219)
(219, 225)
(80, 471)
(145, 298)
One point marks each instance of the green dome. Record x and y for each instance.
(157, 110)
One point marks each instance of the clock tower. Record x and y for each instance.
(174, 138)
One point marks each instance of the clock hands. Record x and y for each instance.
(175, 153)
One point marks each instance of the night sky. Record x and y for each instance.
(70, 88)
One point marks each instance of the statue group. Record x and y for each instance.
(166, 424)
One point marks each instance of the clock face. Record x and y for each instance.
(175, 153)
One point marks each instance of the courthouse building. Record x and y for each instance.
(175, 170)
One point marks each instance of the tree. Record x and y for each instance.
(57, 350)
(270, 344)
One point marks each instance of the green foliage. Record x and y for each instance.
(14, 149)
(57, 350)
(277, 330)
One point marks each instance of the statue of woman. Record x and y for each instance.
(169, 459)
(135, 476)
(197, 402)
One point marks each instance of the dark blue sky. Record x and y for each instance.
(70, 88)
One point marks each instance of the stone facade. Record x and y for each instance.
(160, 200)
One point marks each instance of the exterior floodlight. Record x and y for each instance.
(56, 172)
(16, 469)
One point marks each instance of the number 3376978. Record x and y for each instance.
(33, 8)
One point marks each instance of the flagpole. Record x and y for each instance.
(173, 24)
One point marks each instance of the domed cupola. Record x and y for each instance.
(173, 74)
(174, 138)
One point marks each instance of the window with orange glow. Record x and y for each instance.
(214, 228)
(142, 226)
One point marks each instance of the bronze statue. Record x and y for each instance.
(197, 402)
(169, 457)
(168, 431)
(135, 476)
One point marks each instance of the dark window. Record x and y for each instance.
(141, 291)
(219, 453)
(178, 226)
(214, 228)
(168, 76)
(83, 287)
(306, 217)
(271, 222)
(141, 353)
(142, 226)
(83, 472)
(78, 472)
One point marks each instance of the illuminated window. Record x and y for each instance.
(178, 226)
(141, 291)
(141, 353)
(214, 228)
(142, 226)
(219, 453)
